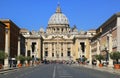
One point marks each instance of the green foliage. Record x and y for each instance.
(3, 55)
(115, 56)
(28, 58)
(21, 58)
(99, 57)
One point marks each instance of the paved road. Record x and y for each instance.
(57, 71)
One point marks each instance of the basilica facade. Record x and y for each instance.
(60, 41)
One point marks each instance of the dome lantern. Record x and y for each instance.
(58, 10)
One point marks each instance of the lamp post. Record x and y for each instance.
(107, 55)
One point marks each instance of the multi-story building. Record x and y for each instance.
(107, 38)
(2, 36)
(33, 44)
(11, 39)
(2, 39)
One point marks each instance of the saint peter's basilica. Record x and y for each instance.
(59, 41)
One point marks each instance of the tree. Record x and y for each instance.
(115, 56)
(3, 55)
(99, 57)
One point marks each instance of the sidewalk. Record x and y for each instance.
(7, 70)
(106, 69)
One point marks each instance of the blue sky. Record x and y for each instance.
(34, 14)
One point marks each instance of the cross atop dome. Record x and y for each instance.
(58, 10)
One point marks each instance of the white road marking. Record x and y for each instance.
(54, 72)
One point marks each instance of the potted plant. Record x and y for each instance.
(21, 58)
(3, 56)
(115, 56)
(28, 58)
(99, 58)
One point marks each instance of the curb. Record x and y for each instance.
(7, 70)
(2, 71)
(113, 71)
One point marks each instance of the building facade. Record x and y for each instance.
(59, 41)
(2, 39)
(33, 43)
(107, 38)
(2, 36)
(11, 40)
(13, 33)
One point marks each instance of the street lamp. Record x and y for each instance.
(107, 54)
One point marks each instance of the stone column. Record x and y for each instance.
(98, 51)
(66, 51)
(31, 53)
(50, 51)
(6, 61)
(110, 50)
(63, 51)
(35, 52)
(63, 30)
(85, 53)
(26, 50)
(90, 56)
(71, 56)
(54, 51)
(118, 32)
(59, 50)
(18, 49)
(43, 51)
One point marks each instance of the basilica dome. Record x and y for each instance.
(58, 18)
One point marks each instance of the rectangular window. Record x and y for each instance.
(52, 54)
(82, 44)
(107, 41)
(33, 46)
(68, 53)
(62, 54)
(46, 53)
(28, 53)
